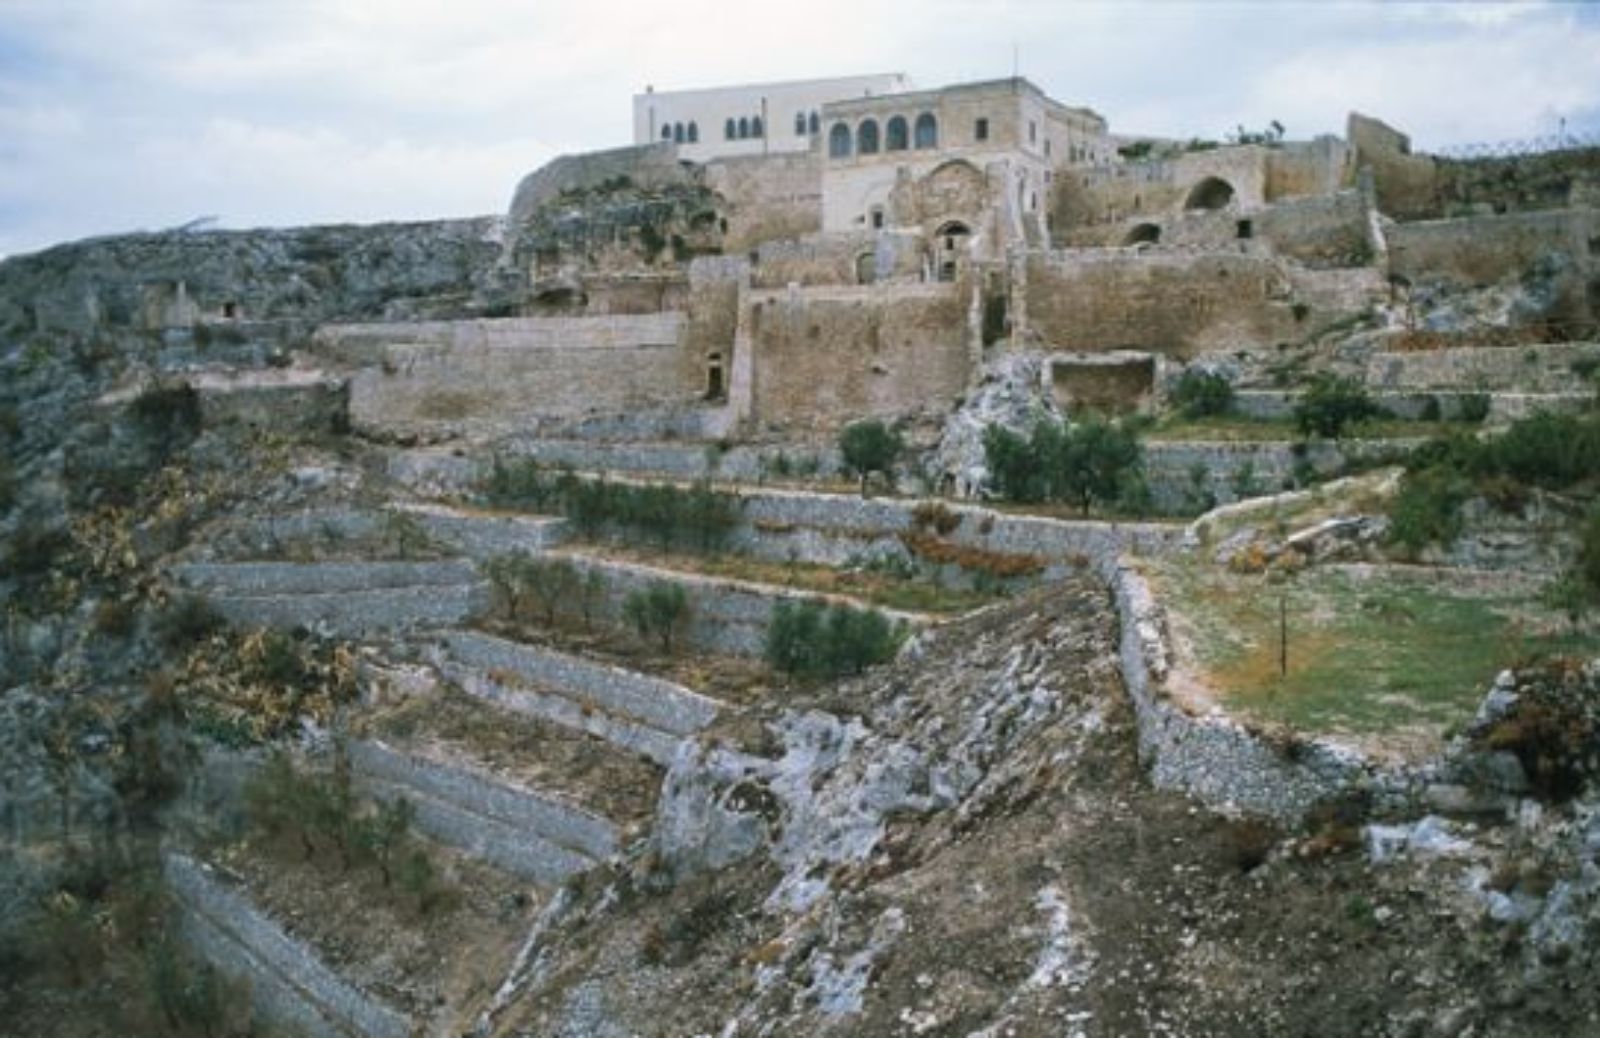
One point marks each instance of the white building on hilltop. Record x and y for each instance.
(754, 119)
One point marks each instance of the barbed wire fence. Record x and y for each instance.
(1518, 148)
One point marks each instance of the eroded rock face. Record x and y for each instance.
(1008, 394)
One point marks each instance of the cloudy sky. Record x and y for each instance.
(120, 115)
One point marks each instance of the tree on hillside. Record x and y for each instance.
(868, 447)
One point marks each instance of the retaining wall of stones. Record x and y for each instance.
(288, 982)
(523, 811)
(355, 614)
(640, 697)
(1213, 758)
(1412, 405)
(727, 616)
(1169, 466)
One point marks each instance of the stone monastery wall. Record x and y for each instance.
(824, 357)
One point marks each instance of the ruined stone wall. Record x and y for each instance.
(859, 257)
(1156, 188)
(1175, 303)
(769, 197)
(825, 357)
(1309, 169)
(395, 270)
(1556, 245)
(441, 380)
(1405, 184)
(711, 321)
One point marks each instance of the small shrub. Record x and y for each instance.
(868, 447)
(167, 416)
(186, 621)
(1091, 461)
(405, 536)
(1331, 405)
(658, 611)
(1202, 393)
(936, 515)
(1244, 482)
(1197, 495)
(811, 640)
(1427, 510)
(1474, 407)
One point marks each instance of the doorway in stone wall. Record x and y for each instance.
(950, 248)
(716, 389)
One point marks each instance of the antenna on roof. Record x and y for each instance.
(1015, 59)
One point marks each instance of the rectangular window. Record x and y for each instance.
(877, 219)
(980, 131)
(1033, 132)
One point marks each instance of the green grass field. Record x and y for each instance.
(1369, 652)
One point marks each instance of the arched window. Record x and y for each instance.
(839, 141)
(744, 127)
(730, 129)
(694, 133)
(1210, 194)
(867, 137)
(799, 124)
(666, 132)
(895, 135)
(814, 124)
(677, 132)
(927, 131)
(756, 128)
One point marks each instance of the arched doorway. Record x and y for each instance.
(950, 249)
(1209, 195)
(1143, 234)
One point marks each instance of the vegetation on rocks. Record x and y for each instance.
(1092, 462)
(813, 640)
(870, 447)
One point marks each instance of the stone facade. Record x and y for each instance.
(752, 119)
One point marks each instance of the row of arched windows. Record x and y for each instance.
(679, 133)
(897, 136)
(804, 124)
(742, 128)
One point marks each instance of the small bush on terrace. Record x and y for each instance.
(811, 640)
(1331, 405)
(1093, 461)
(868, 447)
(658, 611)
(1202, 393)
(1551, 451)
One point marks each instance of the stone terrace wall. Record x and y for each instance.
(289, 983)
(1212, 758)
(483, 376)
(825, 357)
(1529, 369)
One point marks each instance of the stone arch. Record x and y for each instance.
(1142, 234)
(839, 141)
(927, 131)
(867, 137)
(950, 248)
(896, 136)
(1209, 195)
